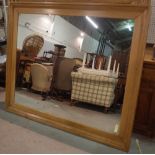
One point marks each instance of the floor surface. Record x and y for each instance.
(79, 113)
(20, 135)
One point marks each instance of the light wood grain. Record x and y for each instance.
(137, 10)
(66, 125)
(105, 2)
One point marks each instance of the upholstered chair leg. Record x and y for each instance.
(73, 102)
(106, 110)
(44, 96)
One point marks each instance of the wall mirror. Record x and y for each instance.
(79, 70)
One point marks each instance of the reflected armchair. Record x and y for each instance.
(62, 73)
(41, 78)
(62, 82)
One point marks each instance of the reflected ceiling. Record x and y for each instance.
(117, 31)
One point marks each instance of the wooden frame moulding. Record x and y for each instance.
(138, 10)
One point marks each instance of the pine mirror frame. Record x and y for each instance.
(138, 10)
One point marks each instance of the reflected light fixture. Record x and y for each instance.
(82, 34)
(129, 27)
(45, 20)
(92, 22)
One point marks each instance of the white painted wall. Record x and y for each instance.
(89, 44)
(108, 50)
(55, 29)
(39, 24)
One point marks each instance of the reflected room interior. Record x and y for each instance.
(73, 67)
(3, 57)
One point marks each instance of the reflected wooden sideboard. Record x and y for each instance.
(145, 113)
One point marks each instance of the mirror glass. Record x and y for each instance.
(3, 58)
(73, 67)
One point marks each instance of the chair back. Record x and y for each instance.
(41, 78)
(100, 60)
(62, 75)
(78, 61)
(32, 45)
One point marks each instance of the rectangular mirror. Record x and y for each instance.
(79, 72)
(87, 79)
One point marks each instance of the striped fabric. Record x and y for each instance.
(94, 89)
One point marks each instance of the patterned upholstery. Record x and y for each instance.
(41, 77)
(94, 89)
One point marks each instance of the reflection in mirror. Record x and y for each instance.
(2, 65)
(73, 68)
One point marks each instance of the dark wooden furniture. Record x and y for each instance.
(99, 59)
(31, 46)
(145, 114)
(2, 65)
(2, 74)
(59, 51)
(122, 57)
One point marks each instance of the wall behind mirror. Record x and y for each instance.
(74, 67)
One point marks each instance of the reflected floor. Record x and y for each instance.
(2, 94)
(80, 114)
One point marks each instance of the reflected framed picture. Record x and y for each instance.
(76, 66)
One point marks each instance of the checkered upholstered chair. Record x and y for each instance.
(94, 89)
